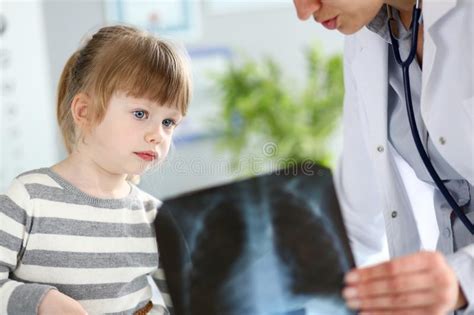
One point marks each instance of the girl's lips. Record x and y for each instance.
(146, 156)
(330, 24)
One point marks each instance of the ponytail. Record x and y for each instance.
(66, 92)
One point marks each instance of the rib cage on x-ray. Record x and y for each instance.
(270, 245)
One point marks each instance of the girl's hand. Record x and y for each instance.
(422, 283)
(57, 303)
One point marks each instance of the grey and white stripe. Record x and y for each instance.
(97, 251)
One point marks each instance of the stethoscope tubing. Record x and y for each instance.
(411, 115)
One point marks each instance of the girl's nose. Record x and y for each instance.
(306, 8)
(154, 135)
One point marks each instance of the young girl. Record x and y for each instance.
(78, 237)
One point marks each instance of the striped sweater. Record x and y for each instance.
(99, 252)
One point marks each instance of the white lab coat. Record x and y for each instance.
(375, 204)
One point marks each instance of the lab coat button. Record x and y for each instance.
(447, 232)
(380, 148)
(442, 140)
(394, 214)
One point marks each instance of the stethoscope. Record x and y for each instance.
(416, 20)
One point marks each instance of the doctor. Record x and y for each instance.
(379, 154)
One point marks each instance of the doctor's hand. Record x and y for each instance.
(422, 283)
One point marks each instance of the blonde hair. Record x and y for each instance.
(121, 58)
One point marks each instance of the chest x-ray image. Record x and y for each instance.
(270, 245)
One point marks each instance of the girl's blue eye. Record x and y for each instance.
(168, 123)
(140, 114)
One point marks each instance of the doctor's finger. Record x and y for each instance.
(404, 283)
(407, 264)
(405, 301)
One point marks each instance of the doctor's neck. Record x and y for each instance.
(405, 8)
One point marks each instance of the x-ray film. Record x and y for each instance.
(269, 245)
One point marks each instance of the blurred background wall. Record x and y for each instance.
(37, 37)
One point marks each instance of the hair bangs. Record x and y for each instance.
(153, 71)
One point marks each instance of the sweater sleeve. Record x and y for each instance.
(159, 275)
(15, 220)
(160, 280)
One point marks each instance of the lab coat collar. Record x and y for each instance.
(372, 82)
(434, 10)
(372, 50)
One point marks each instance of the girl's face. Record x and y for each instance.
(347, 16)
(134, 135)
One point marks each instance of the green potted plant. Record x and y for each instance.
(259, 105)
